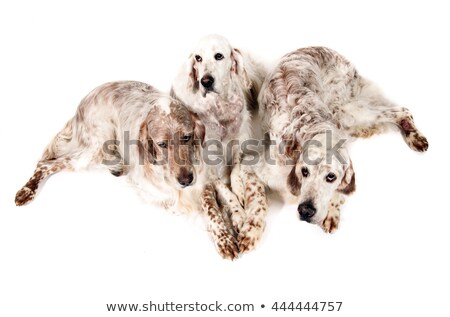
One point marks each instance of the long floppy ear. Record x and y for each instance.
(291, 147)
(192, 82)
(238, 68)
(199, 129)
(146, 148)
(293, 183)
(348, 185)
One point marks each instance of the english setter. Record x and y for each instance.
(220, 84)
(130, 128)
(310, 104)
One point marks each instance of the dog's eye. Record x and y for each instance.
(305, 172)
(162, 145)
(218, 56)
(331, 177)
(186, 138)
(198, 58)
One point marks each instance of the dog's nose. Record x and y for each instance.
(185, 179)
(207, 81)
(306, 211)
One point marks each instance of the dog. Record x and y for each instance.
(311, 105)
(131, 129)
(221, 84)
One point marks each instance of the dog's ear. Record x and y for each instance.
(146, 147)
(348, 185)
(192, 82)
(293, 183)
(291, 147)
(199, 129)
(238, 68)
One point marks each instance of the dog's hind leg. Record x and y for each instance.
(371, 113)
(44, 169)
(55, 158)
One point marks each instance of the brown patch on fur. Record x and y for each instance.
(193, 83)
(293, 183)
(348, 184)
(407, 126)
(365, 132)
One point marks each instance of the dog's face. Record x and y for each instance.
(317, 176)
(169, 140)
(212, 65)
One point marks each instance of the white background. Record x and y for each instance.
(88, 240)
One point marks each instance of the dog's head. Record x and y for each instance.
(169, 141)
(213, 64)
(322, 168)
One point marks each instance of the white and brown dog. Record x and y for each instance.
(310, 104)
(220, 84)
(130, 128)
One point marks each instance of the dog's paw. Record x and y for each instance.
(331, 223)
(417, 142)
(227, 246)
(225, 242)
(250, 234)
(24, 196)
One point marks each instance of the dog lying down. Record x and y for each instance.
(311, 103)
(131, 129)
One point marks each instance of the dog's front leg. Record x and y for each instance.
(233, 211)
(256, 208)
(237, 185)
(222, 235)
(331, 222)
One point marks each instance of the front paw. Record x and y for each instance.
(331, 223)
(250, 234)
(226, 245)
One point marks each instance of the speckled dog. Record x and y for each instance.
(130, 128)
(310, 104)
(221, 84)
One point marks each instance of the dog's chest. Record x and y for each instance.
(223, 118)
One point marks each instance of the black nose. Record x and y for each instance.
(207, 81)
(185, 179)
(306, 210)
